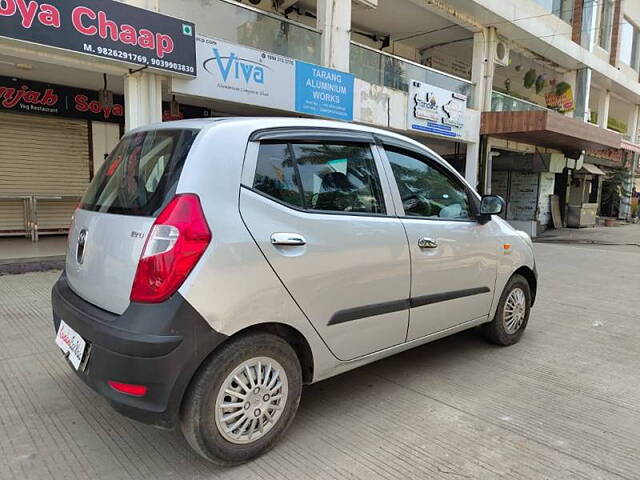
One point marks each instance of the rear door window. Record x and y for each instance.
(276, 174)
(321, 176)
(141, 174)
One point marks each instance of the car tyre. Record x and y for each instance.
(512, 314)
(215, 395)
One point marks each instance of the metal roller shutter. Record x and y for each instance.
(46, 157)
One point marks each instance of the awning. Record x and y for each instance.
(631, 147)
(548, 129)
(591, 169)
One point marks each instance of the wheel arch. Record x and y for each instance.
(290, 334)
(293, 337)
(531, 278)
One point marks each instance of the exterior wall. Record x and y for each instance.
(551, 36)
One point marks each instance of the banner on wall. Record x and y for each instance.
(103, 28)
(324, 92)
(239, 74)
(561, 98)
(246, 75)
(435, 110)
(26, 96)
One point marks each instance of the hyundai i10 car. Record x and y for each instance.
(215, 266)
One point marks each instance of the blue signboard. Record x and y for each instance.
(436, 128)
(324, 92)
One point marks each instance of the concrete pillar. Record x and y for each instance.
(604, 100)
(142, 90)
(478, 161)
(490, 67)
(632, 124)
(583, 88)
(479, 68)
(471, 164)
(142, 99)
(334, 22)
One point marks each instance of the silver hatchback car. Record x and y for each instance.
(214, 266)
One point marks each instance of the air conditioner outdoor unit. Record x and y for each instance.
(367, 3)
(502, 51)
(266, 4)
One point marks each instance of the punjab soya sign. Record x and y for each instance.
(103, 28)
(26, 96)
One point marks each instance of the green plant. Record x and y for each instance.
(616, 187)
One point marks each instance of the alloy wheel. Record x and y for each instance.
(251, 400)
(515, 310)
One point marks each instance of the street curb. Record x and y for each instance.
(26, 265)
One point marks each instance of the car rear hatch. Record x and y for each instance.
(111, 225)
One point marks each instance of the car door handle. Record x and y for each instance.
(287, 239)
(425, 242)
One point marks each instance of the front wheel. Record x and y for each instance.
(512, 315)
(242, 399)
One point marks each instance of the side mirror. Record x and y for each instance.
(490, 205)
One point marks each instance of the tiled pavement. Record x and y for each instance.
(562, 404)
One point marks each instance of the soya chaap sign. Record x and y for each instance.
(103, 28)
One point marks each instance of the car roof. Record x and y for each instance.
(261, 123)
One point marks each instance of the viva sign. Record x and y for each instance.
(244, 75)
(239, 74)
(242, 69)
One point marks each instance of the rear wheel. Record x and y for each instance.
(512, 315)
(242, 399)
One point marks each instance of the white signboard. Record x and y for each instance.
(239, 74)
(435, 110)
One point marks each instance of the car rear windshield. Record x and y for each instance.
(140, 175)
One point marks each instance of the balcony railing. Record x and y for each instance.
(381, 68)
(245, 25)
(248, 26)
(501, 102)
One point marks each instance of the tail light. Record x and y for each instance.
(177, 240)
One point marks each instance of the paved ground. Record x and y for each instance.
(12, 248)
(624, 237)
(562, 404)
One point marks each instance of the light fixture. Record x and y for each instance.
(105, 97)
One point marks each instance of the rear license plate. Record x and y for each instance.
(71, 344)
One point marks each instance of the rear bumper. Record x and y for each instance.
(156, 345)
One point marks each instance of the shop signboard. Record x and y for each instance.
(26, 96)
(103, 28)
(324, 92)
(435, 110)
(239, 74)
(560, 98)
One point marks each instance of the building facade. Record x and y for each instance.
(536, 100)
